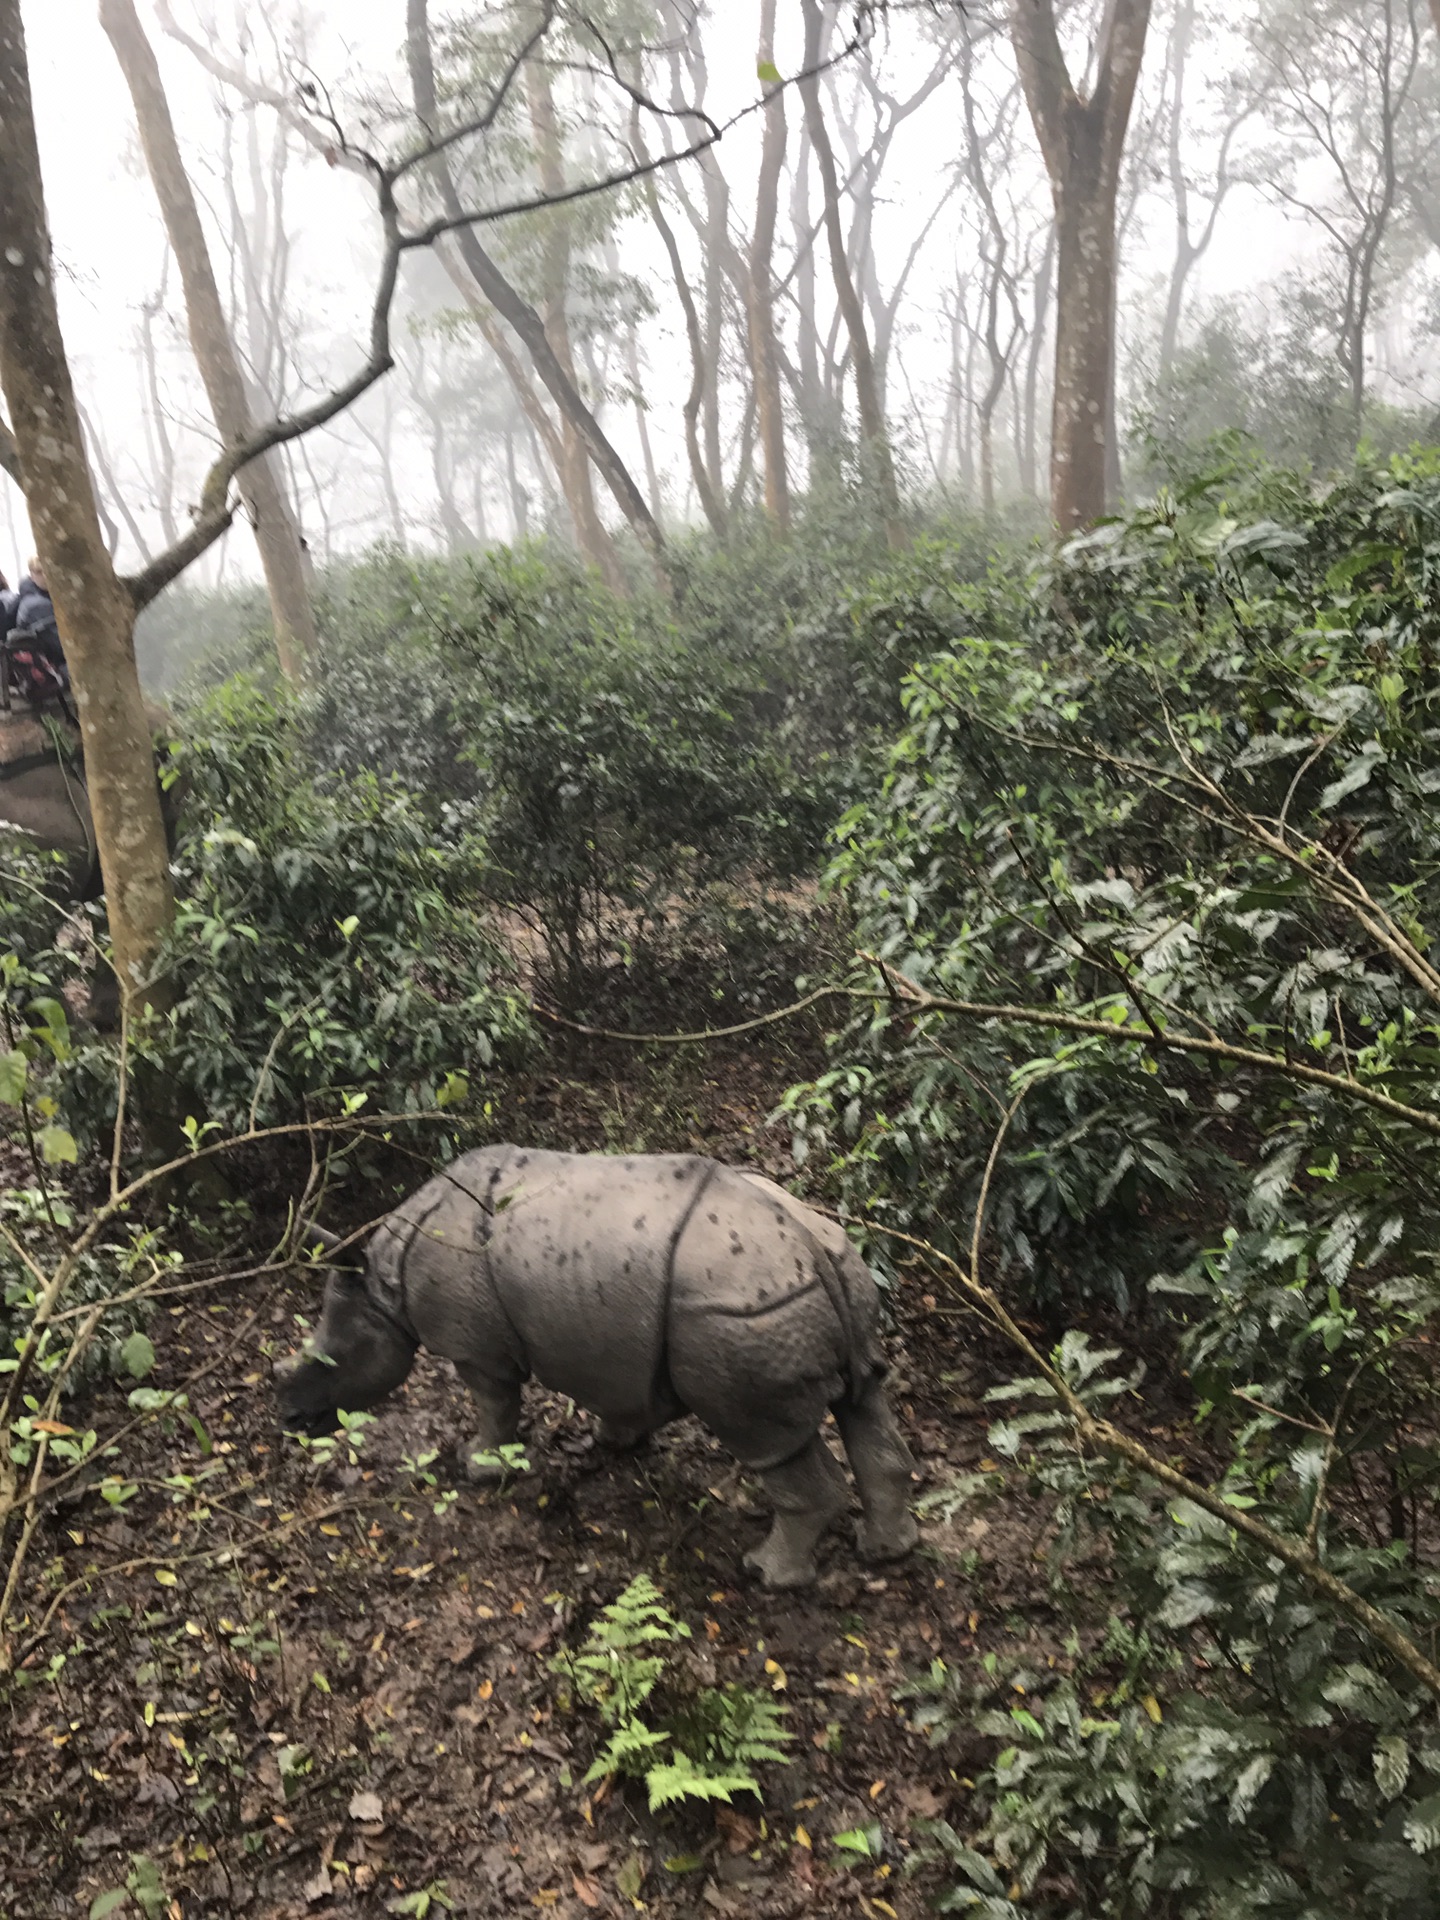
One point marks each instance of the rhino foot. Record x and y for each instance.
(891, 1540)
(780, 1566)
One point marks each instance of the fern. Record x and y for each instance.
(630, 1750)
(707, 1743)
(682, 1779)
(732, 1725)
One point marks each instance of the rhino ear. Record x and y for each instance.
(327, 1247)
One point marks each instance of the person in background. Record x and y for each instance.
(34, 609)
(9, 600)
(35, 614)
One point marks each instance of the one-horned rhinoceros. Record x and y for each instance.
(643, 1287)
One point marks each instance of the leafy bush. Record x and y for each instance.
(1152, 885)
(1229, 1746)
(1251, 388)
(1076, 819)
(684, 1743)
(326, 939)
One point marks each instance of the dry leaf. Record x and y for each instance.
(366, 1807)
(585, 1890)
(320, 1888)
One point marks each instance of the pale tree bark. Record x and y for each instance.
(575, 474)
(1190, 244)
(760, 291)
(875, 441)
(260, 483)
(710, 500)
(1083, 142)
(94, 610)
(578, 420)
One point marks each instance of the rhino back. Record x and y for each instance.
(769, 1324)
(572, 1252)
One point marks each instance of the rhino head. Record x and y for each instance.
(354, 1358)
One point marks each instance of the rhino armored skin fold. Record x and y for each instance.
(643, 1287)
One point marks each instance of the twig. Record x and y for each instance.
(1290, 1419)
(1107, 1438)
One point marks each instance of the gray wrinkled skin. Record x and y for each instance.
(643, 1287)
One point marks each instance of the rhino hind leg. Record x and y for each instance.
(497, 1405)
(808, 1493)
(882, 1467)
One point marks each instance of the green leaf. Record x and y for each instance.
(769, 73)
(863, 1840)
(57, 1147)
(137, 1356)
(1422, 1824)
(455, 1087)
(1391, 1760)
(631, 1877)
(13, 1069)
(107, 1903)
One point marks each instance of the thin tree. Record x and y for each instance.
(1339, 77)
(94, 610)
(875, 441)
(484, 272)
(1082, 138)
(1191, 242)
(760, 288)
(261, 484)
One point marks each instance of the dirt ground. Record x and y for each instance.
(296, 1687)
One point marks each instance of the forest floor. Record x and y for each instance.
(280, 1686)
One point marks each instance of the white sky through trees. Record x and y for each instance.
(110, 249)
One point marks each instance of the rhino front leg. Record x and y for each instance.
(882, 1466)
(497, 1405)
(808, 1492)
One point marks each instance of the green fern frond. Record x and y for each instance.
(631, 1750)
(683, 1780)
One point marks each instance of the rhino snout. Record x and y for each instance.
(307, 1394)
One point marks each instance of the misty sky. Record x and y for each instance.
(110, 245)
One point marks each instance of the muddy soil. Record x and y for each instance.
(273, 1682)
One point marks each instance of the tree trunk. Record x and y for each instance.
(1083, 141)
(555, 279)
(1029, 463)
(760, 290)
(710, 501)
(95, 613)
(517, 312)
(277, 534)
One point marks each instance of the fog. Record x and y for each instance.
(443, 452)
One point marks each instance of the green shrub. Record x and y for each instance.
(685, 1743)
(1179, 793)
(1035, 841)
(326, 939)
